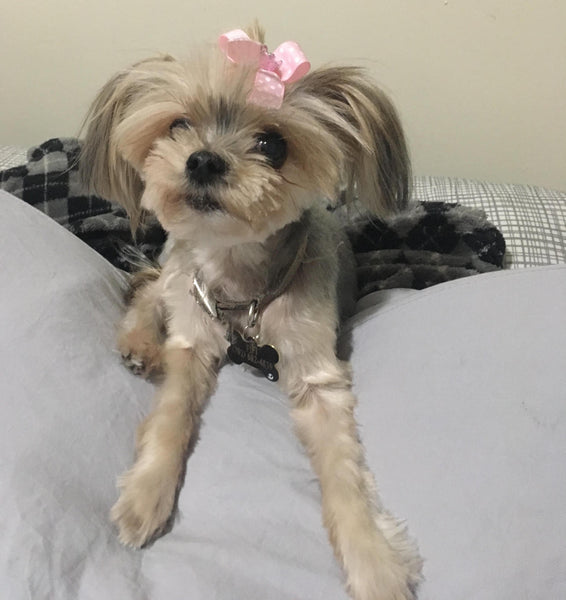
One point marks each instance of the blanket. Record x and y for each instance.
(426, 244)
(50, 182)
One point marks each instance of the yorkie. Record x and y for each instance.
(238, 153)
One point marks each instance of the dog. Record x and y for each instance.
(238, 153)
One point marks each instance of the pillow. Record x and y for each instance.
(68, 411)
(532, 219)
(462, 408)
(12, 156)
(453, 433)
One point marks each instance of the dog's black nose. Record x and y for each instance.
(205, 167)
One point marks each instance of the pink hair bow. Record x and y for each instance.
(285, 65)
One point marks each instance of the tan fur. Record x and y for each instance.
(342, 134)
(142, 333)
(139, 281)
(149, 488)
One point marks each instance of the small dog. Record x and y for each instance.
(237, 153)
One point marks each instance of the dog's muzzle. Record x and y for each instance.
(205, 168)
(203, 202)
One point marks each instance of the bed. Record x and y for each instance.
(462, 409)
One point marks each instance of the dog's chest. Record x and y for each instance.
(228, 328)
(242, 320)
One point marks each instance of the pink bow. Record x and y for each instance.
(285, 65)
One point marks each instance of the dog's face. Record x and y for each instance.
(182, 140)
(219, 167)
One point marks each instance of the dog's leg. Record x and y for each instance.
(380, 561)
(142, 331)
(149, 489)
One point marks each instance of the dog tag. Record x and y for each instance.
(247, 351)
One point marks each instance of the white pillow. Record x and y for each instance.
(532, 219)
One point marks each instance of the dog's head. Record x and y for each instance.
(184, 140)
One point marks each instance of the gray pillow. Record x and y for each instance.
(461, 408)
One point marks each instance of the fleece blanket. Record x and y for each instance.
(50, 182)
(426, 244)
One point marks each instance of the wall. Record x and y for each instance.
(480, 84)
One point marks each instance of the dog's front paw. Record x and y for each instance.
(380, 580)
(141, 353)
(145, 508)
(140, 366)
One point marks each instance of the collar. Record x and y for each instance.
(217, 308)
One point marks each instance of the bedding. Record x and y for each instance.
(12, 156)
(532, 219)
(462, 409)
(425, 244)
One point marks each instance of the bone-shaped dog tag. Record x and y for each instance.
(247, 351)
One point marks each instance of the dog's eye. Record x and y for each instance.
(273, 146)
(180, 123)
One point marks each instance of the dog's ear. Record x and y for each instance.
(368, 130)
(126, 117)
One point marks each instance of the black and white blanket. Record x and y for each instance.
(50, 181)
(428, 243)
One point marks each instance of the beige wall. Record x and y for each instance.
(480, 84)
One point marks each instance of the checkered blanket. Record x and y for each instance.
(50, 181)
(429, 243)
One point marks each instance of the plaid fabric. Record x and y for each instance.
(12, 156)
(49, 180)
(532, 219)
(427, 244)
